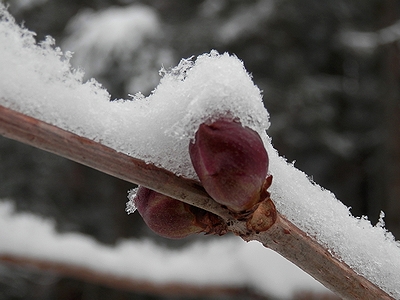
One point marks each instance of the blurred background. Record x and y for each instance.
(330, 76)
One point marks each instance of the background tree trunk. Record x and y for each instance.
(391, 69)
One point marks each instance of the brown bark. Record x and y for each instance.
(296, 246)
(391, 75)
(47, 137)
(265, 225)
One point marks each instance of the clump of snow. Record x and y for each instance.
(244, 20)
(37, 80)
(21, 5)
(206, 263)
(97, 37)
(130, 204)
(114, 31)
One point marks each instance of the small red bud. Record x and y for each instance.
(174, 219)
(231, 163)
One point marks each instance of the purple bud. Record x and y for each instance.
(231, 162)
(174, 219)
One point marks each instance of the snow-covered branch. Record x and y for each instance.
(125, 282)
(295, 245)
(282, 235)
(39, 134)
(45, 103)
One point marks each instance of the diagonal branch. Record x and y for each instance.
(299, 248)
(282, 236)
(34, 132)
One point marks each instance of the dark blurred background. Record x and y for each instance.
(330, 76)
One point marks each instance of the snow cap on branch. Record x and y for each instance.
(38, 80)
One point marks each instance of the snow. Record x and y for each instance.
(126, 41)
(368, 42)
(22, 5)
(97, 38)
(38, 80)
(369, 250)
(130, 204)
(226, 261)
(242, 22)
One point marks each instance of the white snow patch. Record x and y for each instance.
(22, 5)
(228, 261)
(98, 37)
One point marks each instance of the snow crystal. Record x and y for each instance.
(38, 80)
(131, 205)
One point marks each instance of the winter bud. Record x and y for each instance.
(174, 219)
(231, 163)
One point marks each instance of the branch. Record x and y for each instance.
(266, 224)
(299, 248)
(126, 283)
(39, 134)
